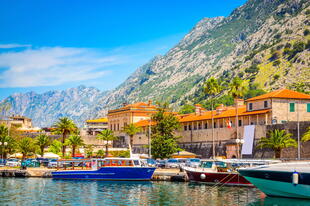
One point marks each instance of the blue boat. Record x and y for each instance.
(125, 169)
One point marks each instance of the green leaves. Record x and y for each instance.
(306, 136)
(277, 140)
(42, 141)
(238, 87)
(26, 146)
(163, 141)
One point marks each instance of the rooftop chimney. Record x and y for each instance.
(198, 109)
(239, 102)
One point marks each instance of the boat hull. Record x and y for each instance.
(225, 178)
(279, 183)
(108, 173)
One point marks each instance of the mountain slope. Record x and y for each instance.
(77, 103)
(264, 41)
(217, 46)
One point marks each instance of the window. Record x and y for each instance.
(189, 127)
(240, 123)
(308, 107)
(292, 107)
(195, 127)
(265, 104)
(250, 106)
(206, 125)
(214, 125)
(185, 127)
(199, 126)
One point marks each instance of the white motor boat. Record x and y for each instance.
(291, 179)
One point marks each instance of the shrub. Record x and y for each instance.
(307, 12)
(274, 56)
(240, 74)
(306, 32)
(276, 63)
(252, 69)
(288, 31)
(276, 77)
(287, 45)
(277, 36)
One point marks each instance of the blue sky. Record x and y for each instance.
(53, 44)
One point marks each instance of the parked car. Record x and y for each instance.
(2, 162)
(192, 162)
(160, 163)
(151, 162)
(181, 162)
(172, 163)
(13, 163)
(52, 163)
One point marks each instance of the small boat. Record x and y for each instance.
(215, 172)
(291, 179)
(126, 169)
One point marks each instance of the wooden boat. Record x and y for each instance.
(215, 172)
(104, 169)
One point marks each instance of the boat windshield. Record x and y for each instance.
(195, 160)
(220, 164)
(206, 164)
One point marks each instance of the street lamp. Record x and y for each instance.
(239, 142)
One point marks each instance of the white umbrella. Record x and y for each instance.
(51, 155)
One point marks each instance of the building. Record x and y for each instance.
(128, 114)
(91, 128)
(278, 107)
(18, 121)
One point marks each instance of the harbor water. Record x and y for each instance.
(43, 191)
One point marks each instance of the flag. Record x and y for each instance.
(228, 123)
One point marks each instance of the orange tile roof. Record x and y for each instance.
(229, 112)
(144, 123)
(282, 93)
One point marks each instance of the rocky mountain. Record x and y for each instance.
(77, 103)
(259, 41)
(264, 41)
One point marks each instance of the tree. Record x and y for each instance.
(64, 126)
(306, 136)
(42, 141)
(100, 153)
(89, 149)
(164, 142)
(74, 141)
(6, 139)
(131, 130)
(186, 109)
(25, 146)
(212, 88)
(277, 140)
(106, 135)
(55, 147)
(238, 88)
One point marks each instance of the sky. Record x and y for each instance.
(60, 44)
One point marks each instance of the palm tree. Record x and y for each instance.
(74, 141)
(278, 140)
(89, 149)
(306, 136)
(25, 146)
(64, 126)
(100, 153)
(106, 135)
(213, 88)
(131, 130)
(55, 147)
(42, 141)
(238, 88)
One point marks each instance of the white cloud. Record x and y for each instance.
(12, 46)
(50, 66)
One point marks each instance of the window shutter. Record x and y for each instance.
(292, 107)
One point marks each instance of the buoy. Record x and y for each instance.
(203, 176)
(295, 178)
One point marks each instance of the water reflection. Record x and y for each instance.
(276, 201)
(36, 191)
